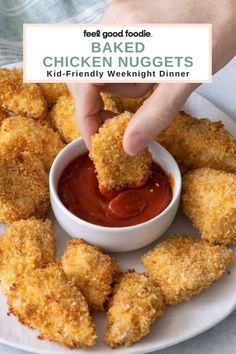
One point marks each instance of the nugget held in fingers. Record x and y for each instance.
(24, 190)
(63, 118)
(209, 200)
(53, 91)
(183, 266)
(116, 169)
(134, 306)
(199, 143)
(25, 246)
(91, 270)
(47, 301)
(19, 98)
(19, 134)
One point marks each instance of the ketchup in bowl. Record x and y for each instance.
(79, 192)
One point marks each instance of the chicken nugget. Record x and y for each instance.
(135, 305)
(47, 301)
(208, 199)
(63, 118)
(183, 266)
(25, 246)
(53, 91)
(19, 134)
(199, 143)
(120, 104)
(3, 115)
(115, 169)
(91, 270)
(24, 188)
(19, 98)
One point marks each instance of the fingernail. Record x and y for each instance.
(135, 144)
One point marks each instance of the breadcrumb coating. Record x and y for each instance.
(19, 134)
(120, 104)
(25, 246)
(47, 301)
(91, 270)
(209, 200)
(115, 169)
(183, 266)
(53, 91)
(135, 305)
(3, 115)
(24, 188)
(19, 98)
(199, 143)
(63, 118)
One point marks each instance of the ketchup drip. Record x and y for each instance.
(79, 192)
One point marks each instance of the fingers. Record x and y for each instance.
(128, 90)
(89, 109)
(155, 115)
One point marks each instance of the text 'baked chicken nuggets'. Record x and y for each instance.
(134, 306)
(63, 118)
(24, 190)
(53, 91)
(25, 246)
(209, 199)
(19, 98)
(91, 270)
(19, 134)
(47, 301)
(199, 143)
(115, 169)
(183, 266)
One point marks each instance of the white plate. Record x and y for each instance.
(179, 323)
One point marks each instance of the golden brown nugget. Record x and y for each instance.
(183, 266)
(135, 305)
(47, 301)
(120, 104)
(24, 190)
(25, 246)
(19, 98)
(53, 91)
(3, 116)
(19, 134)
(91, 270)
(64, 119)
(209, 200)
(199, 143)
(115, 169)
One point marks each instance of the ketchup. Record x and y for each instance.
(79, 192)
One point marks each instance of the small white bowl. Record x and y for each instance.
(114, 239)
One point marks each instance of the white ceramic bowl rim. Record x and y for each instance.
(177, 187)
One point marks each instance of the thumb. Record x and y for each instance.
(155, 115)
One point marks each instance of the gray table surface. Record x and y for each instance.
(221, 338)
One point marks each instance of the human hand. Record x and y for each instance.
(167, 99)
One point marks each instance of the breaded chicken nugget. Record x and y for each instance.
(183, 266)
(3, 115)
(135, 305)
(25, 246)
(120, 104)
(53, 91)
(209, 199)
(63, 118)
(91, 270)
(47, 301)
(199, 143)
(115, 169)
(24, 188)
(19, 134)
(20, 98)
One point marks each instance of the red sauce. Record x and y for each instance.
(79, 192)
